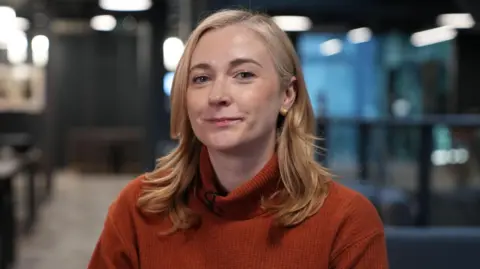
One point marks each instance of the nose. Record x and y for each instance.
(219, 94)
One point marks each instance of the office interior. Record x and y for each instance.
(85, 108)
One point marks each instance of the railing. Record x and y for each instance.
(425, 124)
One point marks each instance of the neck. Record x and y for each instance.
(233, 169)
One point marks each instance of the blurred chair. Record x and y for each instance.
(106, 150)
(433, 248)
(34, 189)
(458, 207)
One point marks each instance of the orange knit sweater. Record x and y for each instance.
(235, 233)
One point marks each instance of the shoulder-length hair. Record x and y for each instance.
(305, 182)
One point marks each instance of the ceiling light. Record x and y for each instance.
(125, 5)
(22, 24)
(432, 36)
(359, 35)
(7, 14)
(17, 47)
(172, 52)
(40, 43)
(331, 47)
(7, 22)
(293, 23)
(459, 20)
(103, 23)
(40, 47)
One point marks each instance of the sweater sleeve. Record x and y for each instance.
(360, 242)
(115, 249)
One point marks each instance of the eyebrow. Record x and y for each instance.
(234, 63)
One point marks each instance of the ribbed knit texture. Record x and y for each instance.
(346, 233)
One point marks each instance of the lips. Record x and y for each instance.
(224, 119)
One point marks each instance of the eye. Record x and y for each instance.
(245, 75)
(200, 79)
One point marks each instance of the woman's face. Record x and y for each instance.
(234, 94)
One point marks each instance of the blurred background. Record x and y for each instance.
(84, 108)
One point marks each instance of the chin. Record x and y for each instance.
(222, 146)
(224, 142)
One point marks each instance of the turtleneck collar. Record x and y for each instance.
(244, 202)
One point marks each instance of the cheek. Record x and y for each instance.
(272, 98)
(265, 102)
(262, 94)
(189, 106)
(192, 112)
(192, 104)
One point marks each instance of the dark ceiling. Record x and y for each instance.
(60, 8)
(378, 14)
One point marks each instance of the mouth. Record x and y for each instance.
(224, 121)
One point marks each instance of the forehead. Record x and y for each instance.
(236, 41)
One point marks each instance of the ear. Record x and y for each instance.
(290, 94)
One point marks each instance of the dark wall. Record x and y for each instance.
(158, 128)
(115, 79)
(470, 6)
(97, 81)
(467, 95)
(20, 123)
(95, 84)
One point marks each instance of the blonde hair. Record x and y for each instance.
(305, 182)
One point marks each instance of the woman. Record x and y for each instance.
(242, 189)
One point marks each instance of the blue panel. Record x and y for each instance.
(342, 85)
(349, 81)
(167, 83)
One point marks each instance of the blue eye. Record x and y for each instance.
(245, 75)
(200, 79)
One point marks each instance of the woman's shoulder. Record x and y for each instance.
(355, 227)
(126, 201)
(348, 201)
(345, 195)
(132, 189)
(350, 208)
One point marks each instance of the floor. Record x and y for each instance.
(70, 223)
